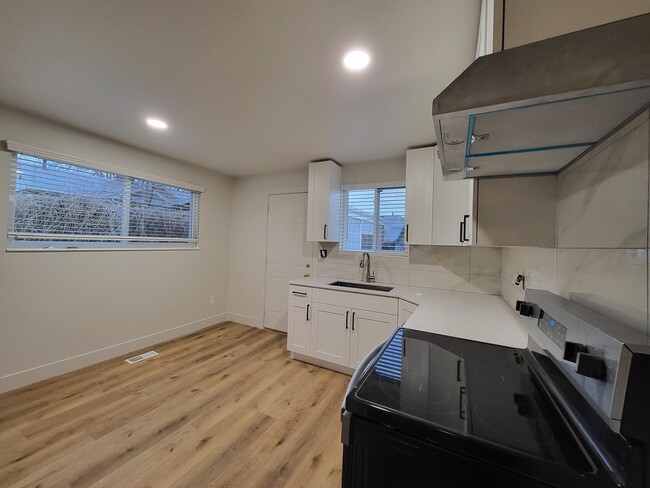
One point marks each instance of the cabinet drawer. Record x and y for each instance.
(300, 292)
(356, 300)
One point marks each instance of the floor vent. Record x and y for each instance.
(141, 357)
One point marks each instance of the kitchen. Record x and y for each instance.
(581, 234)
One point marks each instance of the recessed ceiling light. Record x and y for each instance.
(356, 60)
(157, 123)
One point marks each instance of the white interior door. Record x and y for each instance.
(288, 254)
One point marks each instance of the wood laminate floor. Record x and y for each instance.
(222, 407)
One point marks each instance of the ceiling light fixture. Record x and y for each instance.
(356, 60)
(157, 123)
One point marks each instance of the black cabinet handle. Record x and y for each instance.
(346, 319)
(458, 370)
(299, 293)
(353, 320)
(465, 239)
(325, 231)
(308, 312)
(407, 232)
(461, 410)
(462, 231)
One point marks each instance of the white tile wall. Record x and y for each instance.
(445, 267)
(610, 281)
(537, 264)
(601, 260)
(603, 202)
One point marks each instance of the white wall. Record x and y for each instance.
(601, 259)
(248, 240)
(528, 21)
(63, 310)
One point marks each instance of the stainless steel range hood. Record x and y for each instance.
(537, 108)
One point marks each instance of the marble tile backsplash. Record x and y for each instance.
(476, 270)
(603, 201)
(601, 259)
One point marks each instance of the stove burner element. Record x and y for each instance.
(431, 398)
(500, 377)
(524, 431)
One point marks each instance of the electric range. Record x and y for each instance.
(569, 410)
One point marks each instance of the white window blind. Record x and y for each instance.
(62, 205)
(373, 220)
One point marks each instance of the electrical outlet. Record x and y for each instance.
(211, 299)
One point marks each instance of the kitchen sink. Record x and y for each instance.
(363, 286)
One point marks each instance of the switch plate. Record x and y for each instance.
(211, 299)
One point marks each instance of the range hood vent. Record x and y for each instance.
(537, 108)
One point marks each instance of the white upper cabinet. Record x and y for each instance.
(419, 195)
(454, 204)
(324, 202)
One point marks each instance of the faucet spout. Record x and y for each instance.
(365, 262)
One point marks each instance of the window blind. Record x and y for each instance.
(373, 219)
(69, 206)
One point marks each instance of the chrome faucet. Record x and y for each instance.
(365, 262)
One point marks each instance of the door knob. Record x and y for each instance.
(307, 265)
(306, 275)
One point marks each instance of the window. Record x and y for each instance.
(60, 205)
(373, 220)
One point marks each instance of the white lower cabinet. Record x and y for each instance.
(330, 333)
(298, 330)
(339, 334)
(368, 329)
(406, 309)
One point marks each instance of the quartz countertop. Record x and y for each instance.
(473, 316)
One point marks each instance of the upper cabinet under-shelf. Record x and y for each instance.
(324, 201)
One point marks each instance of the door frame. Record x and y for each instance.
(276, 191)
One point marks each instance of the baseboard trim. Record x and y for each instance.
(323, 364)
(45, 371)
(245, 319)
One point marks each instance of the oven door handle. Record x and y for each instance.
(346, 417)
(363, 366)
(461, 410)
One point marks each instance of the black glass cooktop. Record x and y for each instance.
(473, 389)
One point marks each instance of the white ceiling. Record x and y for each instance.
(247, 86)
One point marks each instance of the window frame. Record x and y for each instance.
(121, 242)
(344, 216)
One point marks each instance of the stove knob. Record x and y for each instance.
(572, 349)
(592, 366)
(525, 309)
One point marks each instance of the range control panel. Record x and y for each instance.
(553, 329)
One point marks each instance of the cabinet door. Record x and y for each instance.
(453, 210)
(323, 201)
(419, 195)
(406, 309)
(330, 333)
(368, 329)
(298, 331)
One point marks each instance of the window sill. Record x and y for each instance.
(99, 249)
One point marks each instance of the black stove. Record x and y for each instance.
(433, 410)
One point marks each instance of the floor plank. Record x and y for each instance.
(223, 407)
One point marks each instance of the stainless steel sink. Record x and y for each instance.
(363, 286)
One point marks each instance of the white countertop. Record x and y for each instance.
(484, 318)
